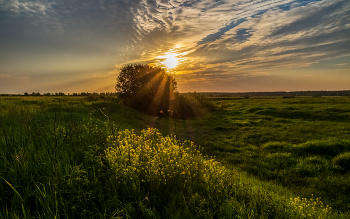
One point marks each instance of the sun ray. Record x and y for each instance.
(154, 106)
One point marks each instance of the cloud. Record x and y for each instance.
(279, 39)
(215, 39)
(341, 64)
(214, 30)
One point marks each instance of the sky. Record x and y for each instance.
(208, 45)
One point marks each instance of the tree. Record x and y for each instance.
(146, 88)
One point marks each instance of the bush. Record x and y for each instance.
(157, 169)
(162, 162)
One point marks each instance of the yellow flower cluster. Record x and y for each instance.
(153, 158)
(310, 208)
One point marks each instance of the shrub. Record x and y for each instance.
(310, 208)
(165, 171)
(162, 162)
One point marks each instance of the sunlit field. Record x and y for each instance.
(75, 157)
(300, 143)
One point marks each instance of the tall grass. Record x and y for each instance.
(292, 142)
(126, 175)
(56, 161)
(317, 167)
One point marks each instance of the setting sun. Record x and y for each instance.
(171, 61)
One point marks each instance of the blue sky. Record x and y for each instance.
(231, 46)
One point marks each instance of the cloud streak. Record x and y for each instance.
(216, 40)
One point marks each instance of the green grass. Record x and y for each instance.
(67, 157)
(300, 143)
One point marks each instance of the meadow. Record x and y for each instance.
(74, 157)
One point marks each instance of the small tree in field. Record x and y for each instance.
(146, 88)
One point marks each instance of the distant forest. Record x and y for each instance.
(61, 94)
(285, 94)
(281, 94)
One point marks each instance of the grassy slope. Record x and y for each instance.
(57, 132)
(309, 134)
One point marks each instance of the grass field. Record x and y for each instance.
(296, 143)
(66, 157)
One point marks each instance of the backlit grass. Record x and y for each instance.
(301, 143)
(72, 158)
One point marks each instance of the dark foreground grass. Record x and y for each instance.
(69, 158)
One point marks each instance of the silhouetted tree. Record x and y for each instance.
(146, 88)
(35, 94)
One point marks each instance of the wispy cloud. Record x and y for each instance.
(341, 64)
(285, 37)
(215, 39)
(254, 34)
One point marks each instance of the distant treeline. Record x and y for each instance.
(213, 94)
(62, 94)
(281, 94)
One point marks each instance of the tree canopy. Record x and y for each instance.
(146, 88)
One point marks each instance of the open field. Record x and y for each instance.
(293, 142)
(69, 157)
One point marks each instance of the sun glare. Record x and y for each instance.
(171, 62)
